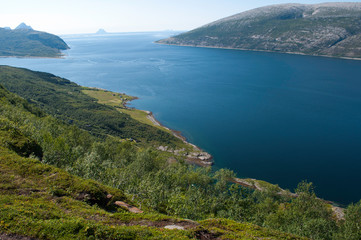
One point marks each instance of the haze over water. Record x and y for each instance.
(276, 117)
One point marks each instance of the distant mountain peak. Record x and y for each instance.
(101, 31)
(24, 26)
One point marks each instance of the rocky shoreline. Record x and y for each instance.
(254, 50)
(197, 156)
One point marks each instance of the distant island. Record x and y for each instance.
(23, 41)
(327, 29)
(101, 31)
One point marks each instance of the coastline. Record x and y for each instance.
(35, 57)
(256, 184)
(190, 152)
(198, 156)
(257, 50)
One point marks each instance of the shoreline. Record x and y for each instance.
(198, 157)
(35, 57)
(257, 50)
(256, 184)
(187, 151)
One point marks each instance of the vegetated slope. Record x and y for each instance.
(30, 43)
(157, 182)
(330, 29)
(66, 101)
(44, 202)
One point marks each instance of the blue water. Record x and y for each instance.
(276, 117)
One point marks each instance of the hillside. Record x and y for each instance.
(40, 201)
(328, 29)
(26, 42)
(66, 101)
(61, 181)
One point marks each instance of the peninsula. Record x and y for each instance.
(327, 29)
(23, 41)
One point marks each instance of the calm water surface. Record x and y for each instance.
(277, 117)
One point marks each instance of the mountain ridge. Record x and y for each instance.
(26, 42)
(327, 29)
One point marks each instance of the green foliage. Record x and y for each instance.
(30, 43)
(351, 228)
(66, 101)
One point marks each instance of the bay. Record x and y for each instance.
(275, 117)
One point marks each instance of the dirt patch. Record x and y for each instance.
(206, 235)
(161, 224)
(4, 236)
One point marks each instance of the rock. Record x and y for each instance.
(338, 213)
(174, 227)
(163, 148)
(128, 207)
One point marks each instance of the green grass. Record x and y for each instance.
(119, 100)
(41, 201)
(66, 101)
(45, 202)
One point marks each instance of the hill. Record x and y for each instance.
(26, 42)
(41, 201)
(61, 181)
(328, 29)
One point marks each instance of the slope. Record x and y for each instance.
(39, 201)
(30, 43)
(66, 101)
(328, 29)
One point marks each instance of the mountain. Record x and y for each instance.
(26, 42)
(101, 31)
(327, 29)
(24, 26)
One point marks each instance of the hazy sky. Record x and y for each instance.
(87, 16)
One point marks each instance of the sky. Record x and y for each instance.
(87, 16)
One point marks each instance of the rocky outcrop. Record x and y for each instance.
(329, 29)
(128, 207)
(197, 156)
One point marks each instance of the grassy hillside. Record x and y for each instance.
(58, 181)
(329, 29)
(65, 100)
(30, 43)
(44, 202)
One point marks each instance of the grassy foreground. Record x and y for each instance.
(45, 202)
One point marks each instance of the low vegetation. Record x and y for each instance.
(328, 29)
(61, 181)
(30, 43)
(66, 100)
